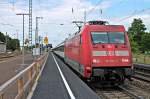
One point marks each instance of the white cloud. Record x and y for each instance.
(55, 12)
(127, 20)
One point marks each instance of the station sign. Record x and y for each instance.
(46, 40)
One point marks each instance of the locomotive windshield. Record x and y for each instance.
(107, 37)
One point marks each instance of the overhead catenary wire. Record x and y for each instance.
(75, 20)
(98, 3)
(86, 14)
(134, 13)
(89, 11)
(13, 3)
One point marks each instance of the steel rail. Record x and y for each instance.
(142, 72)
(141, 78)
(142, 66)
(130, 93)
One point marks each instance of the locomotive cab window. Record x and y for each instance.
(107, 37)
(116, 37)
(99, 37)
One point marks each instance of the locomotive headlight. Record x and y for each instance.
(96, 61)
(88, 68)
(125, 60)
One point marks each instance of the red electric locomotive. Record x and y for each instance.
(100, 51)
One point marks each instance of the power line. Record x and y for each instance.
(95, 6)
(134, 13)
(86, 13)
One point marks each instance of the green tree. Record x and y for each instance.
(13, 44)
(134, 45)
(145, 42)
(137, 29)
(2, 37)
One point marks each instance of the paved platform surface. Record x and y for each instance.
(51, 84)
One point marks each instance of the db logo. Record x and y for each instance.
(110, 53)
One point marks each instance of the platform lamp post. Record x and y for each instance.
(23, 14)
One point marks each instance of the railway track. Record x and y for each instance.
(139, 88)
(142, 72)
(121, 92)
(6, 56)
(142, 76)
(113, 93)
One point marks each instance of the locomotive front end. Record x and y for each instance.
(111, 57)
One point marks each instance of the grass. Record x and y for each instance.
(141, 58)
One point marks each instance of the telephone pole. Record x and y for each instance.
(6, 41)
(23, 14)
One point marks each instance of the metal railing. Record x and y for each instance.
(31, 71)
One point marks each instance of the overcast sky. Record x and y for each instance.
(56, 12)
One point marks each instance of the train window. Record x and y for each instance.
(108, 37)
(99, 37)
(116, 37)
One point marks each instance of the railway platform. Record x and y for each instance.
(57, 81)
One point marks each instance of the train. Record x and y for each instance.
(99, 51)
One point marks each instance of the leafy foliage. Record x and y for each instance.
(134, 45)
(145, 42)
(2, 37)
(12, 44)
(137, 29)
(138, 37)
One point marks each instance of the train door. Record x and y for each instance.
(81, 67)
(80, 49)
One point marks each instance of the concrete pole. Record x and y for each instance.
(36, 34)
(23, 43)
(6, 41)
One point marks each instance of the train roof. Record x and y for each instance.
(105, 27)
(99, 26)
